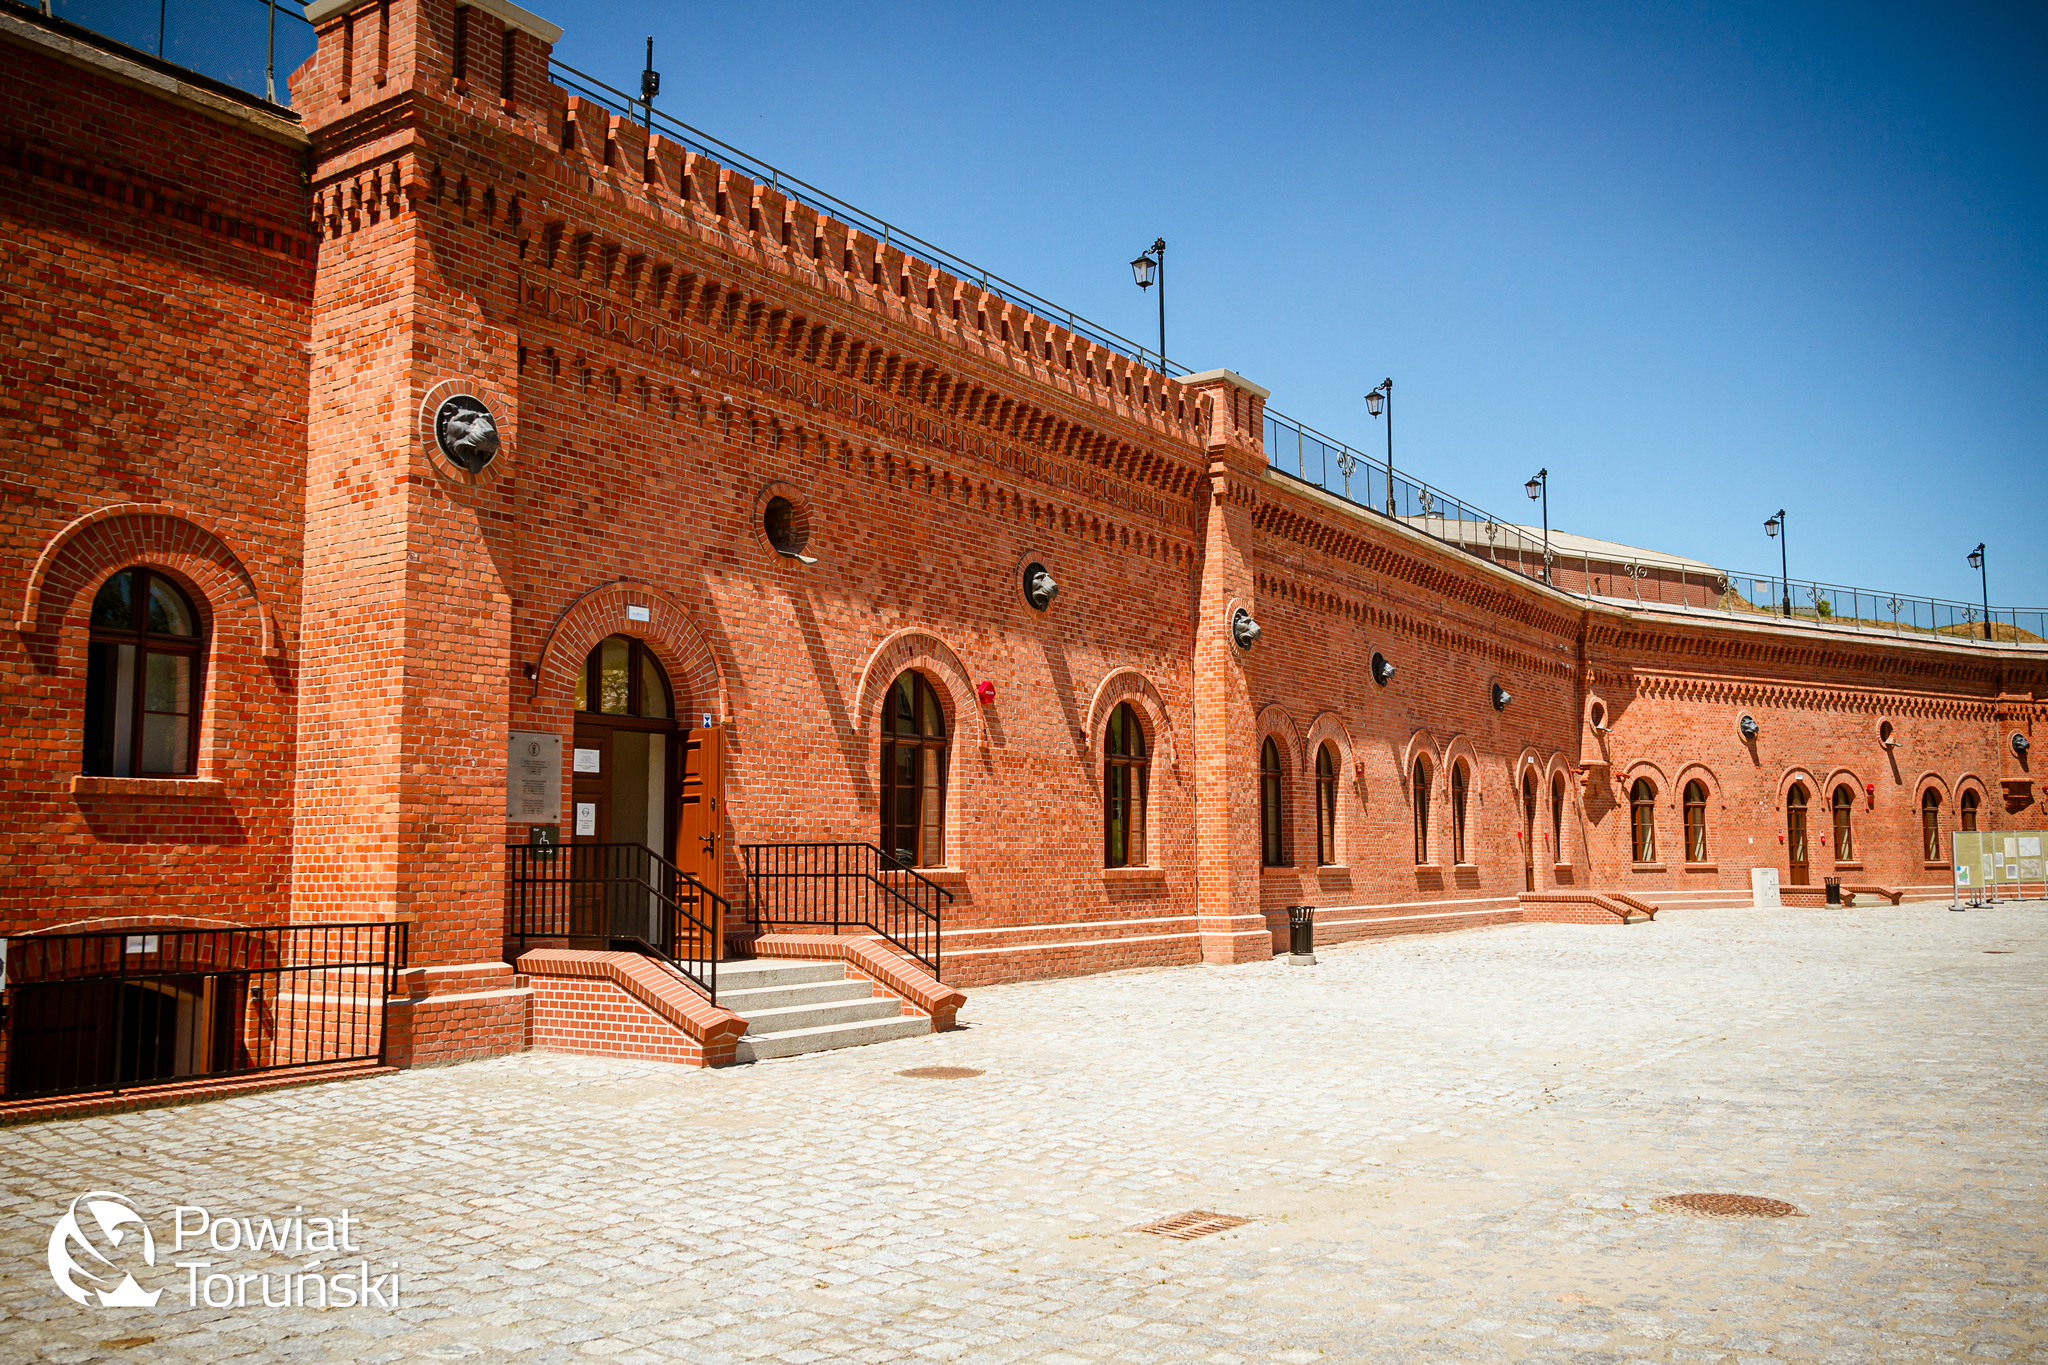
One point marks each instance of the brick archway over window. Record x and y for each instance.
(88, 551)
(1127, 684)
(693, 670)
(933, 657)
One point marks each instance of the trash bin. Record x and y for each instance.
(1301, 931)
(1834, 890)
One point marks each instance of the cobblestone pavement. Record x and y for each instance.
(1447, 1148)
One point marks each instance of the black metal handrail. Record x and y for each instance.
(616, 893)
(846, 886)
(108, 1010)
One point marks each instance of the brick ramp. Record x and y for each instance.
(624, 1005)
(1584, 907)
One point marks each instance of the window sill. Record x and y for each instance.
(1560, 867)
(937, 876)
(1148, 876)
(1849, 867)
(1648, 867)
(1282, 870)
(1430, 867)
(1936, 867)
(191, 788)
(1702, 867)
(1464, 867)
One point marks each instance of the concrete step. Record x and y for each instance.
(759, 973)
(745, 1000)
(789, 1018)
(757, 1047)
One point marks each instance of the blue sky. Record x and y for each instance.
(1701, 262)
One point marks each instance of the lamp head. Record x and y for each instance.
(1977, 556)
(1376, 402)
(1534, 488)
(1143, 270)
(1771, 526)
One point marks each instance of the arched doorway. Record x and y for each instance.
(1795, 835)
(642, 781)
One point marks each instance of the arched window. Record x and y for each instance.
(914, 773)
(1845, 841)
(1557, 819)
(1459, 782)
(1642, 821)
(1695, 822)
(1968, 807)
(1272, 846)
(142, 679)
(1421, 812)
(1795, 833)
(1125, 779)
(621, 677)
(1930, 826)
(1326, 805)
(1528, 831)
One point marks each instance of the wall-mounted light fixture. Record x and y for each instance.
(1501, 697)
(1748, 726)
(1244, 631)
(1039, 586)
(1382, 671)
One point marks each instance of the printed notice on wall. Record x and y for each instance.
(586, 819)
(589, 760)
(533, 777)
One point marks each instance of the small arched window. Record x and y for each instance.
(1695, 822)
(1968, 808)
(1557, 819)
(1795, 831)
(1272, 844)
(1125, 778)
(621, 677)
(142, 679)
(1326, 804)
(1459, 785)
(1421, 812)
(913, 773)
(1642, 821)
(1845, 835)
(1930, 826)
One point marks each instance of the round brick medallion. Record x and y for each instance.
(1724, 1206)
(940, 1073)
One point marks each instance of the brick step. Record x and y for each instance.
(757, 1047)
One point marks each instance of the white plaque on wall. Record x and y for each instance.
(1763, 888)
(533, 777)
(586, 819)
(589, 760)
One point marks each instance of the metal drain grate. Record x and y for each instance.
(939, 1073)
(1725, 1206)
(1185, 1227)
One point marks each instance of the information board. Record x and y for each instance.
(533, 777)
(1985, 860)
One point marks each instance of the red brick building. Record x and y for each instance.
(782, 488)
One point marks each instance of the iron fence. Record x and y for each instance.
(114, 1009)
(616, 893)
(846, 886)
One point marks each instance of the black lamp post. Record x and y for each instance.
(650, 86)
(1983, 581)
(1540, 487)
(1378, 401)
(1775, 528)
(1150, 269)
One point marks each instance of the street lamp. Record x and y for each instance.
(1983, 581)
(1148, 269)
(1378, 401)
(1539, 487)
(1773, 529)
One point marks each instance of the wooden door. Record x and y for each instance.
(1528, 832)
(700, 816)
(590, 822)
(1795, 837)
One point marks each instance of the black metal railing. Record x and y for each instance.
(616, 894)
(250, 45)
(110, 1010)
(846, 886)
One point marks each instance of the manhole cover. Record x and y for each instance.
(1725, 1206)
(1998, 952)
(940, 1073)
(1185, 1227)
